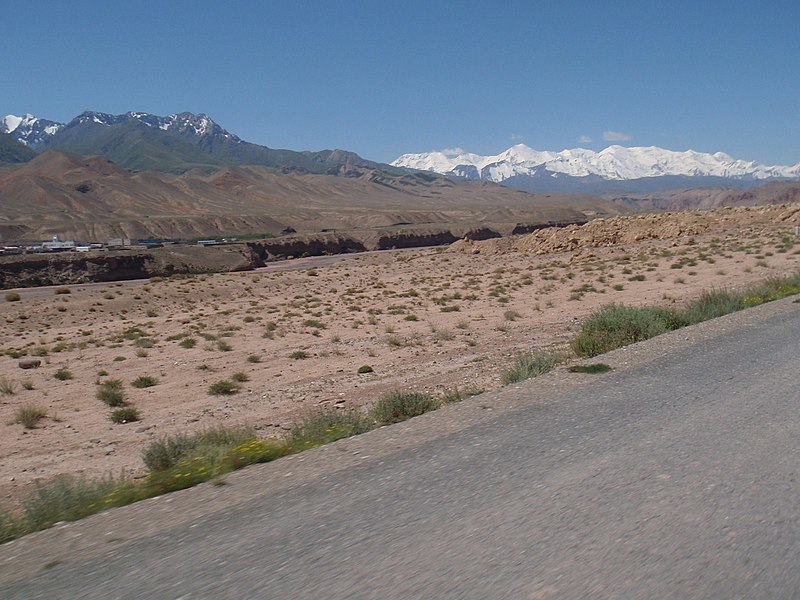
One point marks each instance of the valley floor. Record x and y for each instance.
(423, 320)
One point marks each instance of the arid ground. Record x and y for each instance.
(423, 320)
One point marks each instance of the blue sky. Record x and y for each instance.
(385, 78)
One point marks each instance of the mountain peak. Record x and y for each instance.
(615, 162)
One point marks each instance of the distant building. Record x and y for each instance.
(119, 243)
(57, 245)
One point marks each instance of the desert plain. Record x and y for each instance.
(296, 336)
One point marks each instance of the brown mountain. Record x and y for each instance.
(92, 199)
(776, 192)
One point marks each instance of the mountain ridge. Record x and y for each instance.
(175, 143)
(523, 166)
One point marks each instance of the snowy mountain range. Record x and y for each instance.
(33, 131)
(521, 166)
(176, 143)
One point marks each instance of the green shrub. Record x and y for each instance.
(395, 407)
(188, 342)
(616, 325)
(167, 452)
(110, 392)
(223, 387)
(29, 415)
(325, 426)
(128, 414)
(365, 369)
(253, 452)
(529, 364)
(254, 358)
(63, 374)
(69, 498)
(12, 297)
(299, 355)
(144, 381)
(711, 305)
(240, 377)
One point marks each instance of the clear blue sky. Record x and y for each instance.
(384, 78)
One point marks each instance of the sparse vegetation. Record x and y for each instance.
(395, 407)
(63, 374)
(144, 381)
(224, 387)
(530, 364)
(29, 415)
(365, 369)
(110, 392)
(12, 297)
(7, 386)
(127, 414)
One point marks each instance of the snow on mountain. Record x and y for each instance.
(34, 131)
(613, 163)
(29, 130)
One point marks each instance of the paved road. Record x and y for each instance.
(674, 476)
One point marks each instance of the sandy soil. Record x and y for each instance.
(424, 320)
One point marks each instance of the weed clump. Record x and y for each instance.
(127, 414)
(144, 381)
(530, 364)
(223, 387)
(110, 393)
(395, 407)
(326, 426)
(29, 415)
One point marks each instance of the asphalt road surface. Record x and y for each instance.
(673, 476)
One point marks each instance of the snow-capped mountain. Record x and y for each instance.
(29, 130)
(615, 163)
(35, 132)
(141, 141)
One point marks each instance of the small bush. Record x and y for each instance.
(456, 394)
(188, 343)
(614, 326)
(29, 415)
(395, 407)
(711, 305)
(127, 414)
(167, 452)
(110, 392)
(365, 369)
(325, 426)
(62, 290)
(253, 452)
(254, 358)
(12, 297)
(511, 315)
(299, 355)
(63, 374)
(224, 346)
(594, 368)
(68, 498)
(144, 381)
(223, 387)
(530, 364)
(240, 377)
(7, 386)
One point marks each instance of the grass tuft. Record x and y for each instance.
(530, 364)
(397, 406)
(29, 415)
